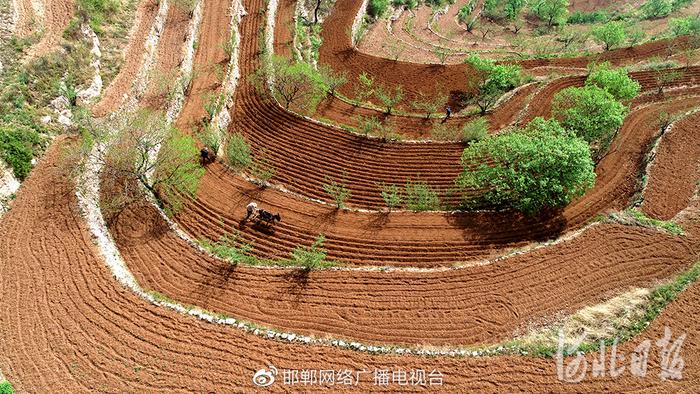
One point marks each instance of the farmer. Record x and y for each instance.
(204, 155)
(448, 112)
(251, 209)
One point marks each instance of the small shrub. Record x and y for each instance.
(311, 257)
(97, 12)
(238, 152)
(368, 124)
(475, 130)
(581, 17)
(444, 132)
(16, 148)
(229, 248)
(338, 192)
(653, 9)
(388, 98)
(392, 196)
(211, 137)
(421, 197)
(377, 8)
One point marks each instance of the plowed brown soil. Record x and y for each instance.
(480, 304)
(27, 20)
(337, 52)
(67, 326)
(453, 299)
(416, 239)
(675, 172)
(306, 155)
(168, 57)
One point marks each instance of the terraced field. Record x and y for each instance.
(412, 290)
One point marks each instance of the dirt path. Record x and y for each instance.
(68, 327)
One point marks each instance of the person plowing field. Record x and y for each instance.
(206, 156)
(260, 215)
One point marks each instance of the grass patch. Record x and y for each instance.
(231, 249)
(6, 388)
(633, 216)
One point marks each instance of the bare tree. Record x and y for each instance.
(144, 153)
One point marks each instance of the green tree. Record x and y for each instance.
(392, 196)
(332, 79)
(295, 85)
(610, 34)
(429, 105)
(365, 89)
(145, 152)
(657, 8)
(591, 113)
(311, 257)
(615, 81)
(554, 12)
(338, 191)
(388, 98)
(488, 81)
(689, 25)
(513, 8)
(540, 166)
(377, 8)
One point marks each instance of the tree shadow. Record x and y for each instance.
(297, 282)
(378, 220)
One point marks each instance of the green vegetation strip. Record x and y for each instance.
(231, 249)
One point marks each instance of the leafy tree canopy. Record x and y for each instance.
(591, 113)
(539, 166)
(615, 81)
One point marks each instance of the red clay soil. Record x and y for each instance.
(411, 127)
(481, 304)
(306, 155)
(415, 239)
(337, 52)
(403, 239)
(448, 238)
(214, 30)
(675, 172)
(68, 326)
(122, 84)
